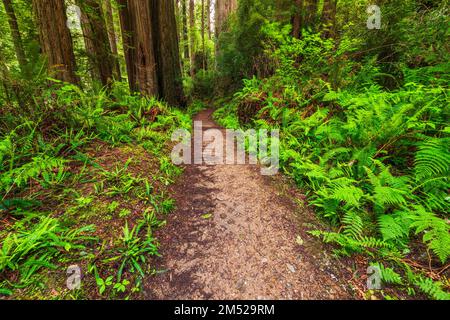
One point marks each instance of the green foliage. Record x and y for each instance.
(436, 232)
(37, 245)
(53, 189)
(374, 162)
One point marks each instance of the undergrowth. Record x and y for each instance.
(83, 181)
(373, 162)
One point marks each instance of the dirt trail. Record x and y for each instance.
(251, 245)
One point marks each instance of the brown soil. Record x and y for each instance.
(239, 235)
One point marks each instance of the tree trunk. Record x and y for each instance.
(208, 18)
(185, 28)
(15, 33)
(4, 78)
(203, 36)
(311, 7)
(97, 41)
(165, 39)
(142, 12)
(137, 32)
(297, 19)
(329, 18)
(223, 9)
(112, 38)
(192, 35)
(55, 39)
(126, 27)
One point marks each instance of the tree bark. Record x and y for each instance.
(97, 41)
(15, 33)
(192, 35)
(167, 52)
(208, 18)
(328, 18)
(128, 42)
(311, 7)
(185, 28)
(137, 18)
(142, 12)
(55, 39)
(203, 36)
(223, 9)
(112, 38)
(297, 19)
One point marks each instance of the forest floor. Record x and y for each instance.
(239, 235)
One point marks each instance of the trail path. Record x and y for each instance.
(254, 245)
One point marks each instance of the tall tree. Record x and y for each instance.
(167, 52)
(144, 59)
(96, 40)
(311, 8)
(112, 37)
(203, 35)
(328, 18)
(15, 33)
(185, 31)
(126, 27)
(297, 19)
(55, 39)
(223, 9)
(208, 18)
(192, 35)
(150, 37)
(137, 33)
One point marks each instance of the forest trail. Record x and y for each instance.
(239, 235)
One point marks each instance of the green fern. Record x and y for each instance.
(387, 189)
(388, 275)
(395, 226)
(40, 166)
(351, 195)
(353, 225)
(436, 232)
(432, 288)
(432, 159)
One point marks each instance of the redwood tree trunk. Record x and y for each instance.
(223, 9)
(126, 27)
(15, 33)
(311, 7)
(185, 28)
(55, 39)
(96, 41)
(208, 18)
(329, 17)
(167, 52)
(112, 38)
(297, 19)
(192, 35)
(141, 13)
(203, 36)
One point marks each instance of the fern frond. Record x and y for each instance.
(353, 225)
(432, 288)
(436, 232)
(394, 227)
(388, 275)
(432, 159)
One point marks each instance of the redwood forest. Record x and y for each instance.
(224, 150)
